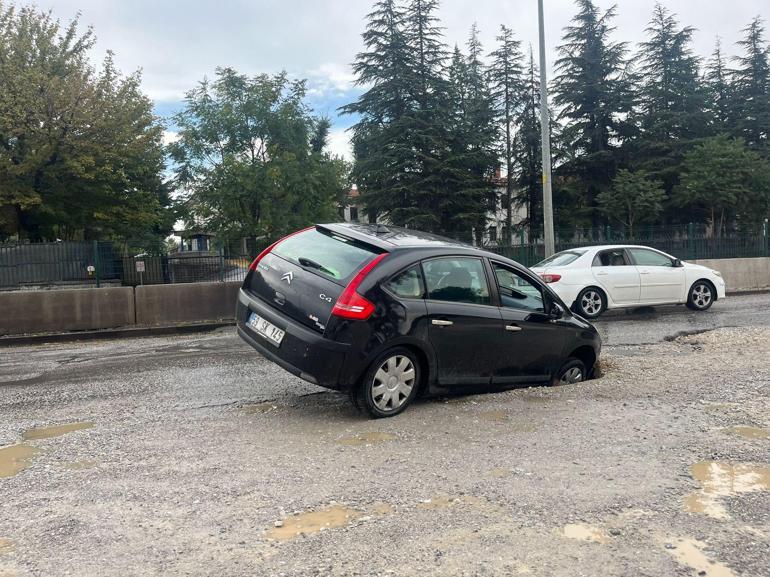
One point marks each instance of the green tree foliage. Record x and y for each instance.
(725, 180)
(752, 88)
(593, 93)
(509, 92)
(720, 90)
(633, 199)
(250, 158)
(80, 151)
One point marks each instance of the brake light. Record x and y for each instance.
(350, 304)
(550, 278)
(265, 252)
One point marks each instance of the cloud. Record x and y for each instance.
(339, 144)
(170, 137)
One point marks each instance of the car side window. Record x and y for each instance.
(459, 280)
(644, 257)
(407, 284)
(516, 291)
(615, 257)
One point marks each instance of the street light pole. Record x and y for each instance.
(546, 135)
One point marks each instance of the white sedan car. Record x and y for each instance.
(594, 279)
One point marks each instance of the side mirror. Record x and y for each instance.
(678, 263)
(556, 311)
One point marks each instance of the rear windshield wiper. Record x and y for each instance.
(316, 265)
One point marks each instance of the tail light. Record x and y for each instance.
(265, 252)
(550, 278)
(350, 304)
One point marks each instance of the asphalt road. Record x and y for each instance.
(191, 455)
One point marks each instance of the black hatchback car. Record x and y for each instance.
(386, 313)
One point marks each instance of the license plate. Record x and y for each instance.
(266, 329)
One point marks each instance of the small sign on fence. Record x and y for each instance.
(140, 266)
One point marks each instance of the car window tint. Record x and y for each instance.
(330, 255)
(517, 292)
(460, 280)
(616, 257)
(644, 257)
(407, 284)
(561, 258)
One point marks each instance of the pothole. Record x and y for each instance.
(689, 553)
(313, 522)
(582, 532)
(54, 431)
(720, 480)
(16, 458)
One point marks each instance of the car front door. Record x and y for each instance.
(616, 274)
(661, 281)
(463, 326)
(532, 341)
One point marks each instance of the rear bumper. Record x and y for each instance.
(302, 352)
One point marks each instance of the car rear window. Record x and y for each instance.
(561, 258)
(327, 254)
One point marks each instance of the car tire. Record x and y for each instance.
(701, 296)
(571, 372)
(590, 303)
(390, 383)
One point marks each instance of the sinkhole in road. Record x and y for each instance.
(720, 480)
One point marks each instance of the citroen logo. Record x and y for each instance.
(288, 277)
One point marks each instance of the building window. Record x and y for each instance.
(354, 214)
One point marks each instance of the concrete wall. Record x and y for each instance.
(742, 274)
(66, 310)
(159, 305)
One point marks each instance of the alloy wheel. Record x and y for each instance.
(572, 376)
(701, 295)
(591, 303)
(393, 383)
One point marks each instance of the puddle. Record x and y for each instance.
(689, 552)
(371, 438)
(313, 522)
(719, 480)
(749, 432)
(54, 431)
(581, 532)
(6, 546)
(259, 408)
(498, 472)
(495, 416)
(81, 465)
(15, 459)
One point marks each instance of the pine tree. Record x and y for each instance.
(752, 87)
(509, 94)
(720, 96)
(593, 92)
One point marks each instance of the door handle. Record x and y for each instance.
(440, 323)
(512, 328)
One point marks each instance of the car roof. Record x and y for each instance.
(391, 237)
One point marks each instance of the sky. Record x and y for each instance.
(176, 43)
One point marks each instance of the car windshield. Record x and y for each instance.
(330, 255)
(561, 258)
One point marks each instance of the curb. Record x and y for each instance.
(109, 334)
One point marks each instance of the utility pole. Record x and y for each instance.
(545, 130)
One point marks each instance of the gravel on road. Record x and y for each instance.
(192, 455)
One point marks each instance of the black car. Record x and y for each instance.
(386, 313)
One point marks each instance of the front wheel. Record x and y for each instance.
(390, 384)
(701, 296)
(571, 372)
(590, 303)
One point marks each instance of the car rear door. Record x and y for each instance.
(661, 281)
(614, 272)
(464, 327)
(532, 343)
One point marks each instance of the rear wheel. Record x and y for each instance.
(390, 384)
(590, 303)
(701, 296)
(571, 372)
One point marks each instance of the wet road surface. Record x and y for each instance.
(191, 455)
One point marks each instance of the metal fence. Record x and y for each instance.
(97, 263)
